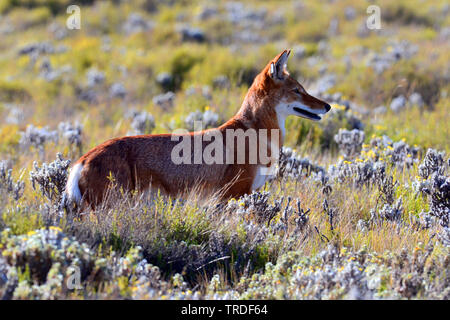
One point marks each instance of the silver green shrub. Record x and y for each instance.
(142, 122)
(38, 138)
(72, 133)
(7, 183)
(349, 142)
(208, 119)
(50, 178)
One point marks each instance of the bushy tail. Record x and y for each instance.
(72, 189)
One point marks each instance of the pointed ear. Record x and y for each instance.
(277, 68)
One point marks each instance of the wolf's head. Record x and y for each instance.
(286, 94)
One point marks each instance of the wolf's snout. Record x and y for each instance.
(327, 107)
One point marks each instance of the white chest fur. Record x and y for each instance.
(264, 173)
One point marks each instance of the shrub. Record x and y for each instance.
(8, 185)
(51, 178)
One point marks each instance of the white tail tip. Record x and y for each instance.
(72, 188)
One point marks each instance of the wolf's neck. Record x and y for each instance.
(261, 113)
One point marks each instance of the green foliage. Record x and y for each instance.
(20, 220)
(13, 91)
(181, 63)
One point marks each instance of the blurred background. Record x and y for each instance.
(151, 66)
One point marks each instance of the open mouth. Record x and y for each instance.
(307, 114)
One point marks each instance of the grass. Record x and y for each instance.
(153, 247)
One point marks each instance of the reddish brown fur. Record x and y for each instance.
(141, 161)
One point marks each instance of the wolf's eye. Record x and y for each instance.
(297, 91)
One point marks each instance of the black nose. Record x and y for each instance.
(327, 107)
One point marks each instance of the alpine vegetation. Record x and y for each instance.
(38, 138)
(433, 182)
(72, 133)
(207, 119)
(50, 179)
(142, 123)
(353, 201)
(7, 183)
(350, 142)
